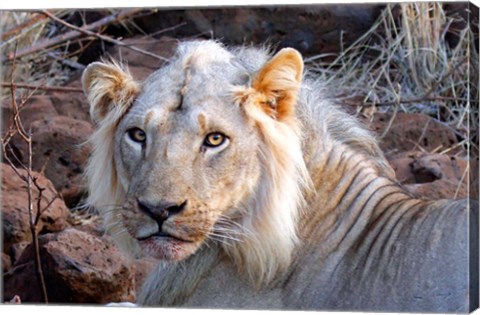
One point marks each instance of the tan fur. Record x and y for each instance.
(295, 188)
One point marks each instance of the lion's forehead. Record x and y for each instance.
(199, 70)
(199, 115)
(201, 89)
(170, 96)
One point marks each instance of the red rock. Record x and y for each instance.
(402, 165)
(36, 108)
(85, 221)
(439, 166)
(440, 189)
(59, 149)
(16, 227)
(78, 268)
(22, 281)
(72, 105)
(432, 176)
(410, 132)
(17, 249)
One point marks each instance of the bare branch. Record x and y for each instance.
(102, 37)
(17, 29)
(29, 179)
(44, 87)
(48, 42)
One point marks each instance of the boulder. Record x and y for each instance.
(432, 176)
(88, 221)
(35, 108)
(17, 249)
(413, 132)
(16, 226)
(22, 281)
(59, 149)
(441, 189)
(77, 267)
(72, 105)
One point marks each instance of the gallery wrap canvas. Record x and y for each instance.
(319, 157)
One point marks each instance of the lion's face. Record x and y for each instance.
(197, 148)
(186, 163)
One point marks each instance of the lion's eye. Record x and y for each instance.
(214, 139)
(137, 135)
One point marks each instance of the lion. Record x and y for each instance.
(256, 191)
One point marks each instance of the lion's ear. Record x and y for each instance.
(278, 82)
(108, 88)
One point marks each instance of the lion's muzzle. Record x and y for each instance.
(160, 212)
(161, 239)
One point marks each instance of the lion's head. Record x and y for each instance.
(206, 151)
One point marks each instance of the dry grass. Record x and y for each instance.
(38, 68)
(404, 63)
(55, 64)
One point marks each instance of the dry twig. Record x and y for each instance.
(43, 87)
(49, 42)
(17, 29)
(102, 37)
(30, 181)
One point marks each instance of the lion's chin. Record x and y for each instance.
(167, 248)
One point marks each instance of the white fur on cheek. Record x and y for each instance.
(274, 208)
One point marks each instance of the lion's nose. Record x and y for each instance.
(162, 210)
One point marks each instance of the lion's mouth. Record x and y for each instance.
(163, 235)
(165, 246)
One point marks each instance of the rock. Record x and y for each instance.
(6, 262)
(446, 176)
(428, 168)
(402, 165)
(16, 250)
(411, 131)
(441, 189)
(84, 220)
(59, 148)
(72, 105)
(432, 176)
(22, 281)
(16, 227)
(36, 107)
(77, 267)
